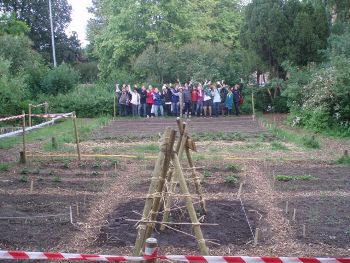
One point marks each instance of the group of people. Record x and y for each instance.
(190, 99)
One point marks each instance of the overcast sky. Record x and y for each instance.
(80, 17)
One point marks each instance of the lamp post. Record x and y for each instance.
(52, 37)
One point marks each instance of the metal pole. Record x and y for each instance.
(52, 37)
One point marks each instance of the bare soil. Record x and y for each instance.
(110, 192)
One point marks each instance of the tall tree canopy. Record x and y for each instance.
(123, 29)
(277, 30)
(35, 14)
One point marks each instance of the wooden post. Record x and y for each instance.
(196, 181)
(151, 249)
(253, 105)
(149, 199)
(46, 108)
(286, 210)
(189, 204)
(23, 157)
(76, 136)
(54, 143)
(31, 186)
(294, 214)
(115, 106)
(256, 237)
(304, 231)
(77, 208)
(164, 172)
(239, 191)
(30, 115)
(71, 214)
(167, 203)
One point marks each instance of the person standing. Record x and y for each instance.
(135, 102)
(143, 97)
(236, 99)
(149, 101)
(216, 100)
(194, 98)
(187, 101)
(123, 102)
(207, 100)
(167, 100)
(200, 95)
(158, 104)
(229, 102)
(174, 100)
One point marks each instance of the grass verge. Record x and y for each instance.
(63, 132)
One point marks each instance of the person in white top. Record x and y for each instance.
(135, 102)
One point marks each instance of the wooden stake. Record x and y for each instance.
(77, 208)
(256, 237)
(85, 199)
(304, 231)
(189, 204)
(30, 115)
(31, 186)
(239, 191)
(76, 136)
(115, 169)
(115, 106)
(54, 143)
(167, 202)
(46, 109)
(294, 214)
(71, 214)
(273, 179)
(149, 200)
(23, 158)
(196, 181)
(253, 105)
(163, 175)
(286, 210)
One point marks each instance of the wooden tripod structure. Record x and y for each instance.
(166, 175)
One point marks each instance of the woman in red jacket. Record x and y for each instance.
(194, 100)
(149, 101)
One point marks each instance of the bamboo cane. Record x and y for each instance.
(149, 201)
(253, 104)
(76, 136)
(23, 159)
(30, 115)
(156, 201)
(189, 204)
(196, 181)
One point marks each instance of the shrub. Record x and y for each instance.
(60, 80)
(86, 100)
(231, 179)
(287, 178)
(4, 167)
(235, 168)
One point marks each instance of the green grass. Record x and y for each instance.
(198, 157)
(63, 132)
(214, 149)
(277, 146)
(23, 179)
(149, 148)
(207, 174)
(345, 159)
(56, 179)
(306, 141)
(231, 179)
(4, 167)
(287, 178)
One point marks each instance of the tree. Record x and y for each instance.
(122, 29)
(277, 30)
(36, 15)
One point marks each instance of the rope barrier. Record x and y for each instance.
(15, 133)
(12, 118)
(22, 255)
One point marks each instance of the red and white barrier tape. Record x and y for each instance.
(15, 255)
(49, 115)
(12, 118)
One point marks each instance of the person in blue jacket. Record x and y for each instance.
(158, 103)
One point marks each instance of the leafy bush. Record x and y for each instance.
(60, 80)
(231, 179)
(86, 100)
(235, 168)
